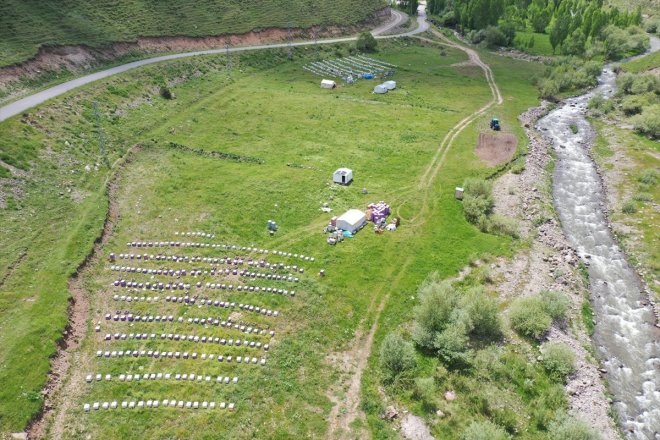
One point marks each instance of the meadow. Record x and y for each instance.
(270, 109)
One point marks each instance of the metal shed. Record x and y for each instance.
(352, 220)
(343, 176)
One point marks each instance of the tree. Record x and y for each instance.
(366, 43)
(437, 301)
(529, 318)
(396, 356)
(559, 31)
(539, 18)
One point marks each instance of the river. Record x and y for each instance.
(625, 334)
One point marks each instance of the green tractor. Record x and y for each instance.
(495, 124)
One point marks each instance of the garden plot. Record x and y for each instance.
(352, 68)
(173, 307)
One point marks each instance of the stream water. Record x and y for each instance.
(625, 334)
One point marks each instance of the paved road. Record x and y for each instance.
(28, 102)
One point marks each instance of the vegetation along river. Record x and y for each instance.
(625, 333)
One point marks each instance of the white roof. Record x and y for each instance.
(343, 171)
(352, 216)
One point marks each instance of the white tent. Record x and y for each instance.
(343, 176)
(328, 84)
(389, 85)
(380, 89)
(352, 220)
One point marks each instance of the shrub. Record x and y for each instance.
(643, 197)
(566, 427)
(632, 105)
(558, 360)
(445, 321)
(424, 390)
(648, 122)
(596, 102)
(529, 317)
(644, 83)
(452, 346)
(494, 37)
(574, 44)
(366, 42)
(478, 202)
(649, 177)
(396, 356)
(166, 93)
(483, 314)
(484, 431)
(629, 207)
(477, 207)
(555, 304)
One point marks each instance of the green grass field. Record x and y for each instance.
(27, 25)
(541, 45)
(272, 110)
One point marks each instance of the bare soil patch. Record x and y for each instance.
(496, 148)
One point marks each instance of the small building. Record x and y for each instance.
(380, 89)
(328, 84)
(352, 220)
(389, 85)
(458, 193)
(343, 176)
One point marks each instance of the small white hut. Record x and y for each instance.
(328, 84)
(352, 220)
(380, 89)
(343, 176)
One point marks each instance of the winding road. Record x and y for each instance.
(18, 107)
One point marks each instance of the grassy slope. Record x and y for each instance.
(391, 153)
(640, 155)
(282, 116)
(651, 61)
(27, 25)
(518, 396)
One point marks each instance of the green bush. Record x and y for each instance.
(555, 304)
(451, 345)
(446, 321)
(503, 226)
(396, 356)
(629, 207)
(649, 177)
(565, 427)
(476, 207)
(366, 43)
(424, 391)
(648, 122)
(558, 360)
(483, 314)
(529, 317)
(643, 197)
(437, 301)
(632, 105)
(484, 431)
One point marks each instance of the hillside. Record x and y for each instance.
(27, 25)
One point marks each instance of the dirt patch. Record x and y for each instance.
(56, 395)
(414, 428)
(496, 148)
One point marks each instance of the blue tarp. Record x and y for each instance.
(367, 76)
(347, 234)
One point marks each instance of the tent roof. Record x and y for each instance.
(352, 216)
(343, 171)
